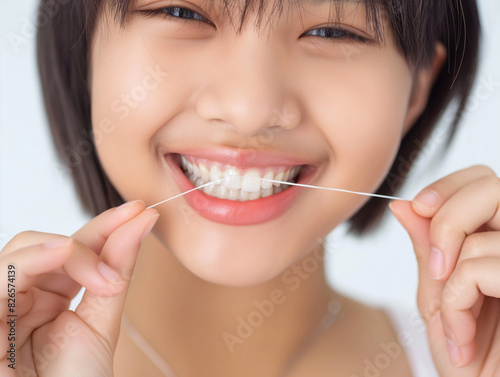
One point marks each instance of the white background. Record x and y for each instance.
(379, 269)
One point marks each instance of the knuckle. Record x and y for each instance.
(485, 170)
(465, 267)
(473, 246)
(489, 181)
(28, 238)
(20, 239)
(460, 276)
(427, 308)
(440, 226)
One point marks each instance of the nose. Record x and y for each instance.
(247, 87)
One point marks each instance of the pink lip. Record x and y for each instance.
(235, 212)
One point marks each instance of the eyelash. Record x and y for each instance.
(180, 13)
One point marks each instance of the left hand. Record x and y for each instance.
(454, 225)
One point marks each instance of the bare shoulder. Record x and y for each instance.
(362, 343)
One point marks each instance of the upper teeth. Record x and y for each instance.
(237, 184)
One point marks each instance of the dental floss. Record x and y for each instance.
(285, 183)
(187, 192)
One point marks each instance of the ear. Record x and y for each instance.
(422, 85)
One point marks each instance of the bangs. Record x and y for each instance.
(237, 11)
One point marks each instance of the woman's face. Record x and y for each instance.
(297, 96)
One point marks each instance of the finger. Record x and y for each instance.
(429, 290)
(83, 271)
(102, 312)
(32, 261)
(462, 214)
(59, 284)
(95, 233)
(88, 270)
(477, 245)
(428, 201)
(28, 238)
(471, 279)
(62, 257)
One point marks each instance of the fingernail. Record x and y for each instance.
(150, 226)
(108, 273)
(391, 206)
(128, 204)
(454, 353)
(436, 263)
(428, 198)
(393, 210)
(58, 243)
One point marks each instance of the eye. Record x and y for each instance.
(334, 33)
(176, 13)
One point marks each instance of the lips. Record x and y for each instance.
(242, 199)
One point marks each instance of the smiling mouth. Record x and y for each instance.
(238, 184)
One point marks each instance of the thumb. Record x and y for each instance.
(102, 311)
(416, 226)
(429, 290)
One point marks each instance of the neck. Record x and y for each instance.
(224, 328)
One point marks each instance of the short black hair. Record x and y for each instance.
(63, 48)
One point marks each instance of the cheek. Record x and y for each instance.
(361, 108)
(129, 104)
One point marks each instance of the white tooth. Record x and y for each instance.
(205, 174)
(196, 170)
(192, 178)
(277, 190)
(278, 177)
(267, 184)
(215, 173)
(234, 194)
(254, 195)
(210, 190)
(184, 162)
(198, 182)
(189, 167)
(244, 195)
(222, 192)
(286, 174)
(232, 179)
(251, 181)
(267, 191)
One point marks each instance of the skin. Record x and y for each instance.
(458, 297)
(226, 102)
(196, 105)
(190, 285)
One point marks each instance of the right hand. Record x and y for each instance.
(49, 271)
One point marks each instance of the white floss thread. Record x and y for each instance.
(285, 183)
